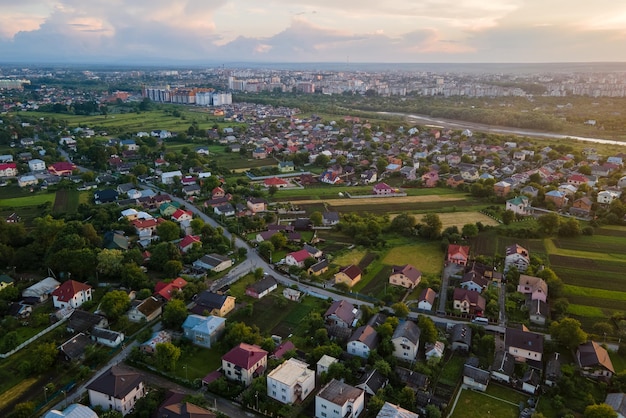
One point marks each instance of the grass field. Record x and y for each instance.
(67, 201)
(350, 257)
(14, 392)
(425, 256)
(32, 200)
(478, 404)
(459, 219)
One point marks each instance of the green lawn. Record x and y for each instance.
(452, 371)
(197, 361)
(619, 362)
(350, 257)
(426, 256)
(478, 404)
(31, 200)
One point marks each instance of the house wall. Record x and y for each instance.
(473, 384)
(404, 349)
(357, 348)
(425, 305)
(242, 375)
(527, 354)
(123, 405)
(286, 394)
(326, 409)
(343, 278)
(402, 280)
(78, 299)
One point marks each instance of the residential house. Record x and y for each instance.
(503, 366)
(291, 382)
(116, 389)
(318, 268)
(71, 294)
(292, 294)
(244, 362)
(259, 153)
(430, 179)
(262, 287)
(458, 254)
(553, 370)
(474, 377)
(342, 314)
(538, 311)
(85, 321)
(297, 258)
(158, 337)
(434, 350)
(519, 205)
(605, 197)
(461, 337)
(516, 256)
(330, 218)
(594, 361)
(523, 345)
(455, 181)
(27, 180)
(192, 190)
(363, 341)
(535, 287)
(75, 410)
(581, 207)
(557, 197)
(406, 276)
(474, 280)
(169, 176)
(414, 380)
(282, 350)
(426, 299)
(62, 168)
(105, 196)
(74, 348)
(406, 341)
(256, 204)
(286, 166)
(279, 183)
(502, 188)
(390, 410)
(339, 400)
(382, 189)
(617, 401)
(531, 380)
(369, 176)
(349, 275)
(372, 381)
(204, 331)
(40, 291)
(182, 215)
(36, 165)
(107, 337)
(188, 242)
(145, 310)
(175, 406)
(213, 262)
(210, 303)
(529, 191)
(324, 363)
(167, 290)
(5, 281)
(468, 301)
(225, 209)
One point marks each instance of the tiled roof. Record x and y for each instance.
(67, 290)
(245, 355)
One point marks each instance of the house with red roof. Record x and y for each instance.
(458, 254)
(217, 192)
(244, 362)
(297, 258)
(406, 276)
(430, 178)
(145, 227)
(182, 215)
(382, 189)
(276, 182)
(187, 243)
(8, 170)
(71, 294)
(62, 168)
(168, 290)
(349, 275)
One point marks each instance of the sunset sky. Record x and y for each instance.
(412, 31)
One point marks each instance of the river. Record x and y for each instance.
(501, 130)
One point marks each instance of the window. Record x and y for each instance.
(323, 406)
(323, 414)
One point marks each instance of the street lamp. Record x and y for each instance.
(256, 395)
(64, 399)
(186, 372)
(45, 393)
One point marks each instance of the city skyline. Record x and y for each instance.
(396, 31)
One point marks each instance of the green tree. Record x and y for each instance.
(432, 411)
(168, 231)
(428, 329)
(43, 357)
(548, 224)
(133, 277)
(110, 262)
(568, 332)
(508, 216)
(115, 303)
(316, 218)
(431, 226)
(174, 314)
(601, 410)
(167, 354)
(470, 230)
(400, 309)
(23, 410)
(172, 268)
(406, 398)
(278, 240)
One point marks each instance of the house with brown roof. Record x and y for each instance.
(363, 341)
(516, 256)
(474, 280)
(594, 361)
(347, 400)
(175, 406)
(535, 287)
(342, 314)
(262, 287)
(145, 310)
(349, 275)
(524, 346)
(426, 299)
(71, 294)
(406, 276)
(406, 341)
(458, 254)
(468, 301)
(581, 207)
(116, 389)
(244, 362)
(210, 303)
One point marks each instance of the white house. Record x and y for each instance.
(406, 341)
(519, 205)
(516, 256)
(116, 389)
(244, 362)
(27, 180)
(106, 336)
(427, 299)
(339, 400)
(324, 363)
(71, 294)
(36, 165)
(363, 341)
(607, 196)
(290, 382)
(168, 177)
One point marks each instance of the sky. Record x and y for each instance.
(389, 31)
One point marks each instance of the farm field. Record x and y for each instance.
(459, 219)
(425, 256)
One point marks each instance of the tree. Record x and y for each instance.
(568, 332)
(23, 410)
(432, 411)
(429, 330)
(168, 231)
(114, 304)
(322, 160)
(167, 354)
(172, 268)
(110, 262)
(266, 248)
(508, 216)
(278, 240)
(400, 309)
(406, 398)
(431, 227)
(403, 224)
(470, 230)
(601, 410)
(43, 357)
(133, 276)
(174, 314)
(548, 223)
(570, 228)
(316, 218)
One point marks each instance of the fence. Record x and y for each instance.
(33, 338)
